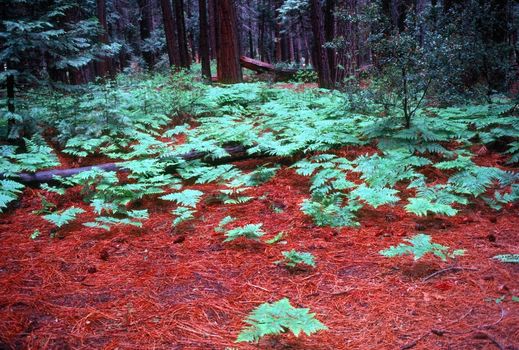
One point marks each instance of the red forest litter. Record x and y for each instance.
(161, 288)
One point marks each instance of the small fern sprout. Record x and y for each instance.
(294, 259)
(250, 231)
(421, 245)
(277, 318)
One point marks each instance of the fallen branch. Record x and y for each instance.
(482, 335)
(264, 67)
(235, 153)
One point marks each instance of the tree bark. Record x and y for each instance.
(235, 153)
(171, 34)
(320, 55)
(102, 67)
(185, 61)
(146, 27)
(228, 56)
(204, 41)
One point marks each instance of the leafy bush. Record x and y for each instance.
(277, 318)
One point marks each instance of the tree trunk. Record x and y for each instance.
(228, 57)
(10, 102)
(211, 11)
(102, 67)
(185, 61)
(146, 27)
(170, 31)
(329, 36)
(204, 41)
(320, 55)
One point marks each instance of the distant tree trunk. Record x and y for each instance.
(10, 102)
(195, 55)
(170, 31)
(146, 27)
(228, 57)
(251, 40)
(204, 40)
(182, 35)
(102, 67)
(320, 55)
(211, 11)
(329, 36)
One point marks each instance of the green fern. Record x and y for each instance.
(508, 258)
(188, 198)
(330, 211)
(9, 191)
(420, 245)
(135, 218)
(61, 218)
(375, 196)
(182, 214)
(294, 258)
(224, 222)
(277, 318)
(250, 231)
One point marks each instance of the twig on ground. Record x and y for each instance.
(448, 269)
(483, 334)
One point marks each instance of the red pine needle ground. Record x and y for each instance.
(164, 288)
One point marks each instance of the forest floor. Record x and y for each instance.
(160, 288)
(164, 287)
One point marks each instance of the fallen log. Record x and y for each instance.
(235, 153)
(280, 74)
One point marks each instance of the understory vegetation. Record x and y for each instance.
(166, 132)
(161, 138)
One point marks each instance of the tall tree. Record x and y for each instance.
(320, 54)
(170, 30)
(146, 27)
(204, 40)
(103, 65)
(185, 61)
(228, 56)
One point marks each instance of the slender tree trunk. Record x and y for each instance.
(102, 67)
(211, 11)
(329, 35)
(320, 55)
(229, 69)
(204, 41)
(146, 27)
(182, 35)
(171, 34)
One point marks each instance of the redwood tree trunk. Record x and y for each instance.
(182, 35)
(320, 55)
(170, 31)
(228, 56)
(102, 66)
(146, 27)
(204, 40)
(329, 35)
